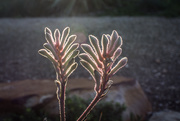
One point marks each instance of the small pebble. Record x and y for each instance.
(158, 61)
(157, 88)
(160, 104)
(162, 83)
(157, 74)
(154, 70)
(8, 81)
(164, 71)
(177, 102)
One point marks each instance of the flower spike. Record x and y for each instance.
(61, 51)
(100, 60)
(54, 54)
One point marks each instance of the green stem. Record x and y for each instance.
(62, 102)
(90, 107)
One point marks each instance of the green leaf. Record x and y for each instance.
(116, 45)
(97, 80)
(69, 52)
(95, 43)
(104, 43)
(118, 66)
(57, 37)
(89, 60)
(46, 54)
(119, 42)
(71, 62)
(47, 30)
(88, 67)
(48, 36)
(64, 36)
(117, 53)
(88, 49)
(75, 53)
(114, 37)
(51, 49)
(69, 42)
(72, 69)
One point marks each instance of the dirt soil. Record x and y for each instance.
(151, 44)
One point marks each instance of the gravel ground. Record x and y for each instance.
(151, 44)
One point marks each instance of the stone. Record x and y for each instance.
(164, 71)
(41, 94)
(157, 60)
(34, 92)
(165, 116)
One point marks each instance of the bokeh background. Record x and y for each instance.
(150, 30)
(57, 8)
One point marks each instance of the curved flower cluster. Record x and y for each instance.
(61, 51)
(100, 61)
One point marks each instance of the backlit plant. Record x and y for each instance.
(99, 60)
(61, 51)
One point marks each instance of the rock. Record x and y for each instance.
(36, 100)
(31, 101)
(158, 74)
(164, 71)
(45, 97)
(157, 60)
(154, 70)
(32, 93)
(165, 116)
(41, 94)
(177, 102)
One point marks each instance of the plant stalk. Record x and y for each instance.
(90, 107)
(62, 103)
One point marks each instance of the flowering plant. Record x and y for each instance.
(98, 60)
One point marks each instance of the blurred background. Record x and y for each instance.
(150, 30)
(57, 8)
